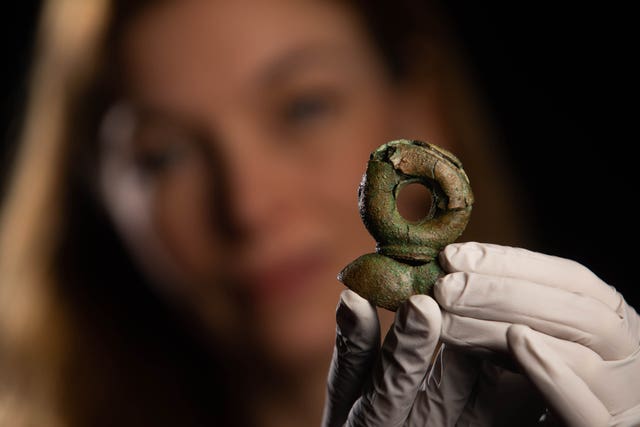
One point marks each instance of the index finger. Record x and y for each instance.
(518, 263)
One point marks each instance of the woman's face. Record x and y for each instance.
(232, 165)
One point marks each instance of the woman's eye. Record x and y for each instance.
(163, 156)
(304, 110)
(156, 161)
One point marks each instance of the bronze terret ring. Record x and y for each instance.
(405, 262)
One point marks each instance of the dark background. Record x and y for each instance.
(560, 81)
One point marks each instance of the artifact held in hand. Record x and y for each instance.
(405, 262)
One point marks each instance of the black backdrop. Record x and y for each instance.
(560, 80)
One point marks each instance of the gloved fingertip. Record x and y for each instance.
(448, 289)
(351, 299)
(357, 319)
(419, 316)
(351, 304)
(445, 256)
(426, 307)
(462, 256)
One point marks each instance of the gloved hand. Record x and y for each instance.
(394, 385)
(574, 336)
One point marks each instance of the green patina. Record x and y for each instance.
(405, 262)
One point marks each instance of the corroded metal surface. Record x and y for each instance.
(405, 262)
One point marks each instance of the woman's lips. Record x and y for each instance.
(285, 278)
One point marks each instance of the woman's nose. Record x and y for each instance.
(257, 187)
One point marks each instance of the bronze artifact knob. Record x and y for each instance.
(405, 262)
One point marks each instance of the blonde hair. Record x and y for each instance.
(70, 32)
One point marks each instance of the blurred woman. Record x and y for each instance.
(184, 196)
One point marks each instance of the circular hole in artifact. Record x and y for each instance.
(414, 201)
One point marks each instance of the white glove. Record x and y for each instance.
(394, 386)
(574, 336)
